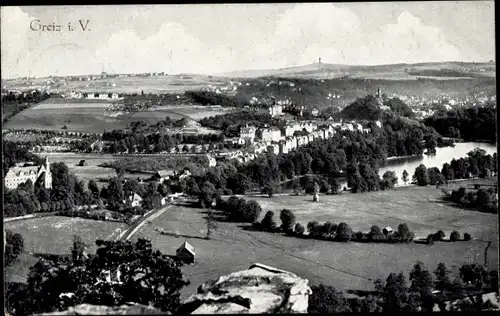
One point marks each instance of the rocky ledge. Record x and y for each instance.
(260, 289)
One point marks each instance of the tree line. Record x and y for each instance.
(425, 290)
(472, 123)
(476, 164)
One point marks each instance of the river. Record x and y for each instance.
(443, 155)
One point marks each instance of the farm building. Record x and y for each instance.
(162, 175)
(135, 200)
(387, 230)
(186, 252)
(185, 173)
(82, 163)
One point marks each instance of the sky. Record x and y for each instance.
(218, 38)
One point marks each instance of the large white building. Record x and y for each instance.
(247, 135)
(22, 172)
(271, 134)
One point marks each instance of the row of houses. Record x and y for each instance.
(274, 134)
(93, 95)
(272, 140)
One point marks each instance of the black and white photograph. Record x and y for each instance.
(249, 158)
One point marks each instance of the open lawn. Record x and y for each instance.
(92, 116)
(54, 235)
(344, 265)
(93, 169)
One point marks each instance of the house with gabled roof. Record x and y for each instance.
(186, 253)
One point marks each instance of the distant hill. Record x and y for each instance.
(392, 71)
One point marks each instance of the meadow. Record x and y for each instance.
(78, 116)
(54, 235)
(347, 266)
(93, 169)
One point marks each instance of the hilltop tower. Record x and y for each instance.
(48, 174)
(319, 60)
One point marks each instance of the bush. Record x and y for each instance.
(376, 234)
(313, 228)
(359, 236)
(268, 222)
(454, 236)
(344, 232)
(439, 235)
(467, 237)
(299, 229)
(287, 220)
(430, 239)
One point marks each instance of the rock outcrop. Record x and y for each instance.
(260, 289)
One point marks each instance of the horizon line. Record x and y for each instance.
(227, 73)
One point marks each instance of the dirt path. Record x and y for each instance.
(134, 228)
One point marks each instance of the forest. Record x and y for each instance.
(469, 124)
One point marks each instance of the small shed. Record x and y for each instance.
(387, 230)
(186, 253)
(82, 163)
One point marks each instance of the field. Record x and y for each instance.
(92, 170)
(54, 235)
(92, 116)
(153, 84)
(344, 265)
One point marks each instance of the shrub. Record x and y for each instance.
(404, 234)
(376, 234)
(439, 235)
(268, 222)
(430, 239)
(454, 236)
(344, 232)
(299, 229)
(359, 236)
(467, 237)
(287, 220)
(313, 228)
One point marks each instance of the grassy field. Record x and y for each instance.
(92, 116)
(93, 169)
(344, 265)
(54, 235)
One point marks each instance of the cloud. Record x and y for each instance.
(338, 35)
(301, 34)
(14, 34)
(171, 49)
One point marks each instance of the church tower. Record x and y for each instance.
(48, 176)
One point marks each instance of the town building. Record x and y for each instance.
(271, 134)
(135, 200)
(315, 112)
(163, 175)
(186, 253)
(23, 172)
(212, 162)
(247, 135)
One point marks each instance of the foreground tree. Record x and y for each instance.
(137, 273)
(422, 284)
(327, 300)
